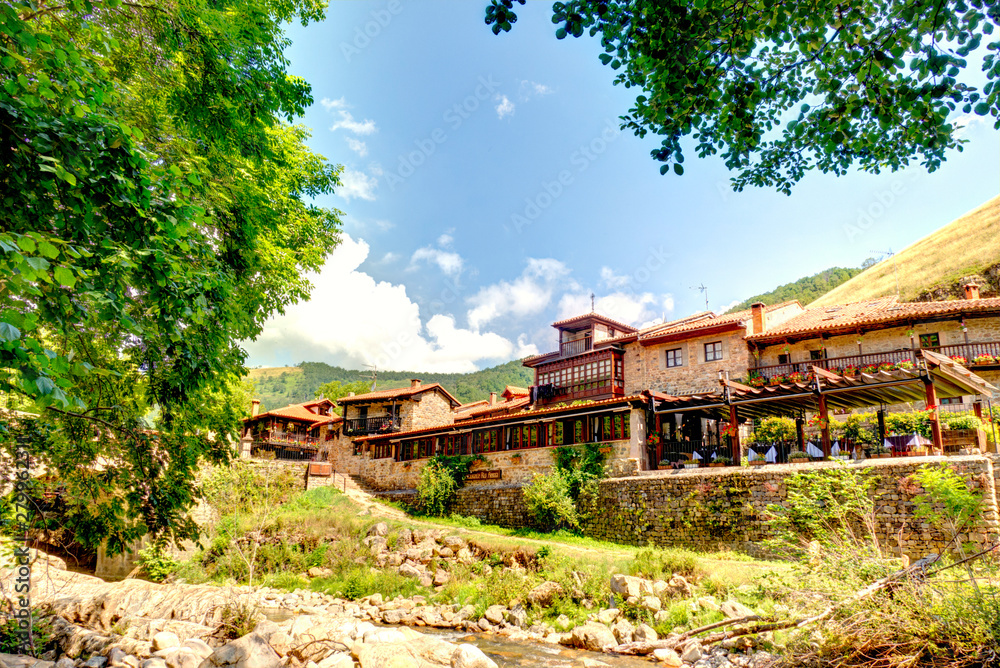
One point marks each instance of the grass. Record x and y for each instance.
(963, 247)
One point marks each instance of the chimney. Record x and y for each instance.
(493, 398)
(414, 382)
(971, 291)
(350, 394)
(757, 308)
(255, 408)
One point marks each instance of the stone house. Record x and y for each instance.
(299, 431)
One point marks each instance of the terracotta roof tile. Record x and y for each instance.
(883, 311)
(596, 316)
(518, 403)
(707, 320)
(398, 393)
(514, 391)
(298, 412)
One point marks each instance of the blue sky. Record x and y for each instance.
(487, 192)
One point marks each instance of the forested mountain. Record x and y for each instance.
(805, 289)
(277, 387)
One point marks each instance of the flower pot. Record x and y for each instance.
(692, 465)
(716, 465)
(758, 462)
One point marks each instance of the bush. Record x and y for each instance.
(156, 563)
(549, 502)
(239, 617)
(436, 489)
(772, 429)
(963, 422)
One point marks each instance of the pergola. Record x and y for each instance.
(935, 377)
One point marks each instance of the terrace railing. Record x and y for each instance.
(568, 348)
(372, 425)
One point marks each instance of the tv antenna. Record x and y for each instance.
(895, 270)
(701, 288)
(374, 375)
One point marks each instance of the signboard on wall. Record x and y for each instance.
(494, 474)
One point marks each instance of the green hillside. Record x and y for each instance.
(280, 386)
(935, 266)
(805, 289)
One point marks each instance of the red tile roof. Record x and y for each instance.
(299, 412)
(506, 418)
(514, 391)
(398, 393)
(516, 404)
(887, 311)
(706, 321)
(595, 316)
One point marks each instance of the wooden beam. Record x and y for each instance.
(734, 422)
(823, 373)
(935, 418)
(824, 416)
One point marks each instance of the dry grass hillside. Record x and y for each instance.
(964, 247)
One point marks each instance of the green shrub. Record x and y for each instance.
(436, 489)
(42, 635)
(654, 564)
(157, 563)
(947, 503)
(549, 502)
(773, 429)
(963, 422)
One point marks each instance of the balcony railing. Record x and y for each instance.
(568, 348)
(279, 438)
(371, 425)
(970, 351)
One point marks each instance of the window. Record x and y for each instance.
(675, 358)
(930, 340)
(381, 450)
(713, 351)
(784, 358)
(951, 401)
(815, 354)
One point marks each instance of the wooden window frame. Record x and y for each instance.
(717, 354)
(676, 360)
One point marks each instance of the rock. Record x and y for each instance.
(495, 614)
(199, 647)
(593, 636)
(629, 585)
(392, 616)
(410, 570)
(95, 662)
(165, 640)
(115, 656)
(563, 622)
(679, 587)
(661, 616)
(644, 633)
(317, 572)
(608, 616)
(623, 630)
(130, 661)
(517, 616)
(183, 658)
(543, 595)
(153, 662)
(441, 578)
(250, 651)
(651, 603)
(691, 651)
(64, 662)
(470, 656)
(337, 660)
(667, 657)
(379, 529)
(426, 580)
(734, 609)
(453, 542)
(464, 554)
(708, 602)
(404, 539)
(383, 635)
(415, 653)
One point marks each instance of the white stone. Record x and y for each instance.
(667, 657)
(470, 656)
(165, 640)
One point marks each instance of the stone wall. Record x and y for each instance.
(726, 508)
(428, 409)
(646, 369)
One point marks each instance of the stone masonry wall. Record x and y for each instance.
(720, 508)
(433, 409)
(645, 366)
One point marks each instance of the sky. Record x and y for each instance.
(488, 192)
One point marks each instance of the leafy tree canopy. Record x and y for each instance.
(780, 88)
(153, 202)
(806, 289)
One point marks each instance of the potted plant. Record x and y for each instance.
(665, 464)
(720, 462)
(776, 380)
(516, 458)
(691, 464)
(797, 457)
(880, 452)
(757, 381)
(870, 368)
(984, 359)
(958, 359)
(796, 377)
(849, 370)
(905, 364)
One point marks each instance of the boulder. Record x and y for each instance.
(623, 630)
(95, 662)
(453, 542)
(651, 603)
(543, 595)
(517, 616)
(593, 636)
(199, 647)
(734, 609)
(608, 616)
(183, 658)
(153, 662)
(250, 651)
(470, 656)
(378, 635)
(495, 614)
(64, 662)
(644, 633)
(691, 651)
(629, 586)
(668, 657)
(19, 661)
(115, 657)
(709, 603)
(563, 622)
(441, 578)
(379, 529)
(165, 640)
(337, 660)
(409, 569)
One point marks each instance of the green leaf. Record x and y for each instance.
(48, 249)
(678, 169)
(64, 276)
(9, 332)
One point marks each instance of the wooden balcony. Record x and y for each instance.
(968, 351)
(372, 425)
(568, 348)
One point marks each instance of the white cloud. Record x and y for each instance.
(357, 184)
(389, 258)
(357, 146)
(627, 307)
(528, 294)
(330, 105)
(505, 106)
(528, 89)
(445, 240)
(450, 263)
(347, 122)
(383, 326)
(612, 280)
(966, 122)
